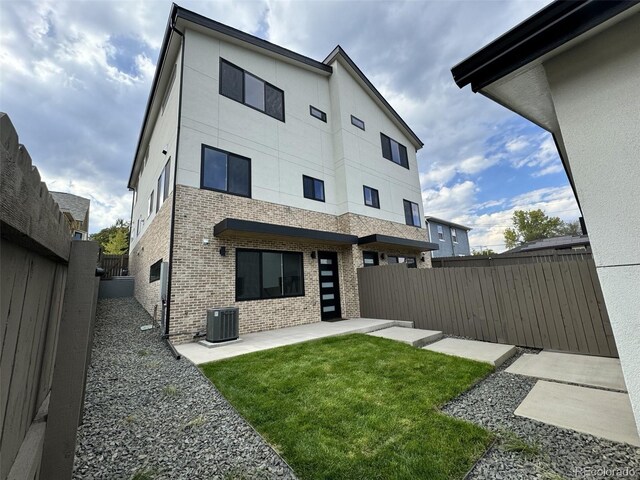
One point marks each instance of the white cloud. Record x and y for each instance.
(449, 202)
(517, 144)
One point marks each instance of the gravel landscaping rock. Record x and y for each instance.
(553, 452)
(150, 415)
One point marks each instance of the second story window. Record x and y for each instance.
(150, 209)
(454, 235)
(225, 172)
(440, 233)
(394, 151)
(243, 87)
(313, 188)
(371, 197)
(356, 122)
(319, 114)
(411, 213)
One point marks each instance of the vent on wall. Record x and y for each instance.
(222, 324)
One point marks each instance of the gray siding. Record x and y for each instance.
(447, 247)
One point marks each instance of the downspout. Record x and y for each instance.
(173, 202)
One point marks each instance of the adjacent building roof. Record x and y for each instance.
(446, 222)
(179, 13)
(555, 243)
(76, 206)
(553, 26)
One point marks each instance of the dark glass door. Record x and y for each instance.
(329, 286)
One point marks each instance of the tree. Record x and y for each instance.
(486, 251)
(571, 228)
(113, 239)
(531, 225)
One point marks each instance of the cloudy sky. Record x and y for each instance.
(75, 76)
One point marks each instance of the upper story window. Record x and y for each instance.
(163, 185)
(371, 197)
(440, 233)
(225, 172)
(243, 87)
(319, 114)
(355, 121)
(411, 213)
(394, 151)
(150, 209)
(313, 188)
(454, 235)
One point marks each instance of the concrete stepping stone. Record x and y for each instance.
(413, 336)
(493, 353)
(588, 410)
(571, 368)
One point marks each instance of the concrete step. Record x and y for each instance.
(413, 336)
(494, 353)
(571, 368)
(597, 412)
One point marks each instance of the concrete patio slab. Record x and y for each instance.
(253, 342)
(493, 353)
(597, 412)
(413, 336)
(570, 368)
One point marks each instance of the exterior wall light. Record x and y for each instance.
(313, 254)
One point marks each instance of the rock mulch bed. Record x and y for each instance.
(149, 416)
(527, 449)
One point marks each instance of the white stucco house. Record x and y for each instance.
(263, 179)
(573, 68)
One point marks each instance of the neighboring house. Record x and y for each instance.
(573, 68)
(263, 179)
(76, 210)
(452, 238)
(566, 243)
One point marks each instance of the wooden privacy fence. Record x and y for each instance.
(47, 298)
(114, 265)
(515, 259)
(554, 305)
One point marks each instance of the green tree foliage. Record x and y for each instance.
(114, 240)
(535, 225)
(486, 251)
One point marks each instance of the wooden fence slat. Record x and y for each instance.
(575, 319)
(603, 309)
(457, 304)
(585, 315)
(451, 321)
(505, 299)
(540, 302)
(594, 311)
(559, 334)
(565, 309)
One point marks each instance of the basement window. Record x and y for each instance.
(154, 271)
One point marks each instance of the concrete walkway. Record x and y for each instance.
(494, 353)
(253, 342)
(597, 412)
(570, 368)
(415, 337)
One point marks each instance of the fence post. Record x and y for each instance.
(72, 355)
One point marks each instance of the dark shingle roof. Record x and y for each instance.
(73, 204)
(566, 241)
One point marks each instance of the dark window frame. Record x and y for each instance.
(353, 117)
(413, 264)
(377, 197)
(412, 224)
(322, 117)
(204, 187)
(373, 254)
(313, 197)
(401, 148)
(157, 265)
(260, 251)
(243, 102)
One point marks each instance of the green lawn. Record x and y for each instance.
(357, 407)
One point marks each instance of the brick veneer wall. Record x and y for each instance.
(151, 247)
(202, 278)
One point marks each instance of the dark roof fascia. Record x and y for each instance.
(203, 21)
(398, 242)
(235, 225)
(446, 222)
(154, 86)
(546, 30)
(339, 51)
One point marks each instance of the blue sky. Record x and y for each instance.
(75, 77)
